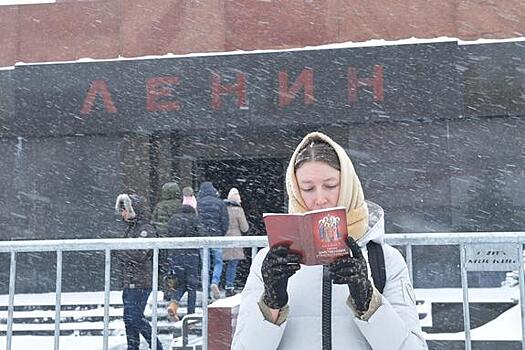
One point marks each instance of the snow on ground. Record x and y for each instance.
(76, 342)
(80, 298)
(475, 295)
(505, 327)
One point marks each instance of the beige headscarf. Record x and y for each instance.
(350, 195)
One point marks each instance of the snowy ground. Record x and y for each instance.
(505, 327)
(75, 343)
(116, 341)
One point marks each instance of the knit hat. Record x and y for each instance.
(234, 195)
(187, 191)
(350, 195)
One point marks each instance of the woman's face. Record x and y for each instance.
(319, 184)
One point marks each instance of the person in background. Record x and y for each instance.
(184, 262)
(136, 268)
(213, 222)
(286, 305)
(238, 225)
(170, 201)
(188, 197)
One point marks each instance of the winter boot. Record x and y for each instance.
(230, 291)
(172, 312)
(215, 292)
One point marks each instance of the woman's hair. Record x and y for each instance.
(317, 150)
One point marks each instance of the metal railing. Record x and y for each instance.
(463, 240)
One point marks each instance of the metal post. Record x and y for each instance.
(107, 290)
(205, 293)
(521, 270)
(58, 301)
(410, 263)
(464, 285)
(155, 283)
(11, 305)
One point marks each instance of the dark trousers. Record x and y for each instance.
(134, 300)
(185, 268)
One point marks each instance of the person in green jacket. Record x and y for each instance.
(170, 201)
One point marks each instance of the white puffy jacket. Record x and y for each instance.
(394, 326)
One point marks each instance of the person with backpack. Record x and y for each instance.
(363, 300)
(136, 268)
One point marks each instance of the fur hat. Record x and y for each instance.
(187, 191)
(124, 202)
(234, 195)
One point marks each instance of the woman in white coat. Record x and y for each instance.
(286, 305)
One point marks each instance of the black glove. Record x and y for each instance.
(353, 271)
(277, 267)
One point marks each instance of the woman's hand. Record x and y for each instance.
(278, 265)
(353, 271)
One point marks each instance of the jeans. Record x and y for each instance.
(231, 271)
(217, 265)
(134, 300)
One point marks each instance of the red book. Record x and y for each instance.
(319, 236)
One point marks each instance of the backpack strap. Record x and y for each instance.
(376, 259)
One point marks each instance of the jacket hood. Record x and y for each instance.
(376, 225)
(136, 205)
(351, 193)
(207, 189)
(140, 206)
(234, 195)
(170, 191)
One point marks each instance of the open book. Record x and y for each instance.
(319, 236)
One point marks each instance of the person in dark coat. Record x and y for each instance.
(213, 221)
(136, 267)
(184, 262)
(164, 209)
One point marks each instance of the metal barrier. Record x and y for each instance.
(504, 243)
